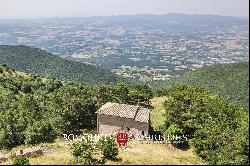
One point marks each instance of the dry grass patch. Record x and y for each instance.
(157, 115)
(53, 159)
(142, 154)
(60, 156)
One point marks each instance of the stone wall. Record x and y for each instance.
(110, 124)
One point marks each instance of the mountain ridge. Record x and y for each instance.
(37, 61)
(230, 81)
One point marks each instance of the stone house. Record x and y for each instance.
(112, 117)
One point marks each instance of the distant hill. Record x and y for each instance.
(230, 81)
(34, 60)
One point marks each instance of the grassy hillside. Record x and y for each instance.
(230, 81)
(34, 60)
(135, 154)
(157, 116)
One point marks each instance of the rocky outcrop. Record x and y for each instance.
(34, 151)
(3, 158)
(28, 152)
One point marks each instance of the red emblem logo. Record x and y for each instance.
(122, 138)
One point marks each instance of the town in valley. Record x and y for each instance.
(145, 47)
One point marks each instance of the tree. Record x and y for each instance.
(39, 132)
(70, 109)
(224, 137)
(184, 105)
(140, 95)
(121, 93)
(217, 130)
(10, 133)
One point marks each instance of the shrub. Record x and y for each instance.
(109, 148)
(20, 161)
(82, 152)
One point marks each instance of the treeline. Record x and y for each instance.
(218, 130)
(230, 81)
(35, 109)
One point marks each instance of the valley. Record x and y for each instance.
(172, 74)
(144, 47)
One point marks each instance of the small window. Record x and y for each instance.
(142, 133)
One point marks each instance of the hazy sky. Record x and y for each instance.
(79, 8)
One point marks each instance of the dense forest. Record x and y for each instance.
(34, 60)
(230, 81)
(35, 109)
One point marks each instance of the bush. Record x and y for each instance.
(82, 153)
(109, 148)
(20, 161)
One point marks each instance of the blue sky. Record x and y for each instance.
(81, 8)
